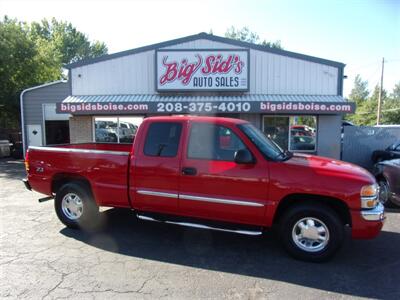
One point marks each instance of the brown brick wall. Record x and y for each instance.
(81, 129)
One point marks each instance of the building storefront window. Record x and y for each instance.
(293, 133)
(116, 129)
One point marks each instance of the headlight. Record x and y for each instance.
(369, 196)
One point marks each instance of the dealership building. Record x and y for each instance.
(294, 98)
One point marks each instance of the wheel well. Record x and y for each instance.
(337, 205)
(380, 176)
(60, 179)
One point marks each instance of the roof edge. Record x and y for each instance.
(210, 37)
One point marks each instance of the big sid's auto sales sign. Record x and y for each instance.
(202, 70)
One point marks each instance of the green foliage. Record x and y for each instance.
(32, 54)
(72, 44)
(396, 92)
(360, 91)
(367, 105)
(245, 35)
(391, 111)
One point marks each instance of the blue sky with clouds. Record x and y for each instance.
(356, 32)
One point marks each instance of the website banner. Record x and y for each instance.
(205, 107)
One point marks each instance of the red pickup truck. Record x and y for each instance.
(212, 173)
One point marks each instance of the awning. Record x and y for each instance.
(204, 104)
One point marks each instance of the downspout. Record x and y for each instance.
(21, 103)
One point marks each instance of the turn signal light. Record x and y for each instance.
(369, 196)
(369, 190)
(27, 161)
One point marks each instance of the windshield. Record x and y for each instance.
(267, 147)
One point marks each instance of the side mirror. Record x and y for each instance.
(243, 156)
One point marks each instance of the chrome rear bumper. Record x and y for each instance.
(26, 183)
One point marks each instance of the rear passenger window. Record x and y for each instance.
(163, 139)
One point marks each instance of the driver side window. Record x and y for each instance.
(213, 142)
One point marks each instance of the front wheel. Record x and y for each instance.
(75, 207)
(384, 193)
(311, 232)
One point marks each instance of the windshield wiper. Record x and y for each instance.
(285, 155)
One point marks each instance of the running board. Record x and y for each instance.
(201, 226)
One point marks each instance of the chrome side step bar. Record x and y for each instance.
(201, 226)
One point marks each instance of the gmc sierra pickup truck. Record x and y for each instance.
(212, 173)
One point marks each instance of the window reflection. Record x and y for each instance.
(294, 133)
(116, 129)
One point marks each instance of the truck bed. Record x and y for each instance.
(97, 146)
(104, 165)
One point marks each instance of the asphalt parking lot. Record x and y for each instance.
(127, 258)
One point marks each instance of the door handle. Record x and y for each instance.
(189, 171)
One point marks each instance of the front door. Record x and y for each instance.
(154, 180)
(212, 185)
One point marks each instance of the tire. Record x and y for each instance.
(75, 207)
(384, 193)
(317, 222)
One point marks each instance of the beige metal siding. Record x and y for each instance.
(254, 119)
(202, 44)
(133, 74)
(269, 74)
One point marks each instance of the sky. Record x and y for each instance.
(358, 33)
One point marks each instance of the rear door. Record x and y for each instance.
(213, 186)
(155, 174)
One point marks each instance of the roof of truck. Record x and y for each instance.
(197, 118)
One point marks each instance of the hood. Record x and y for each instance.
(331, 167)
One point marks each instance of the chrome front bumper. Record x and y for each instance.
(375, 214)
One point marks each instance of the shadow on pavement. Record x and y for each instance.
(392, 209)
(12, 168)
(362, 268)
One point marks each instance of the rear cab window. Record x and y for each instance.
(162, 139)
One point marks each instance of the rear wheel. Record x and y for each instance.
(75, 207)
(311, 232)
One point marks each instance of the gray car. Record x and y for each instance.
(387, 174)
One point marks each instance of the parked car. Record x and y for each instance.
(305, 143)
(391, 152)
(212, 173)
(387, 174)
(105, 136)
(302, 130)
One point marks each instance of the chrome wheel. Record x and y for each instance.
(383, 191)
(72, 206)
(310, 234)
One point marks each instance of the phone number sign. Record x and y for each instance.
(206, 107)
(202, 70)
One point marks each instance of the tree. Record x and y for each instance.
(391, 112)
(391, 106)
(72, 44)
(367, 108)
(396, 92)
(32, 54)
(22, 64)
(360, 91)
(245, 35)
